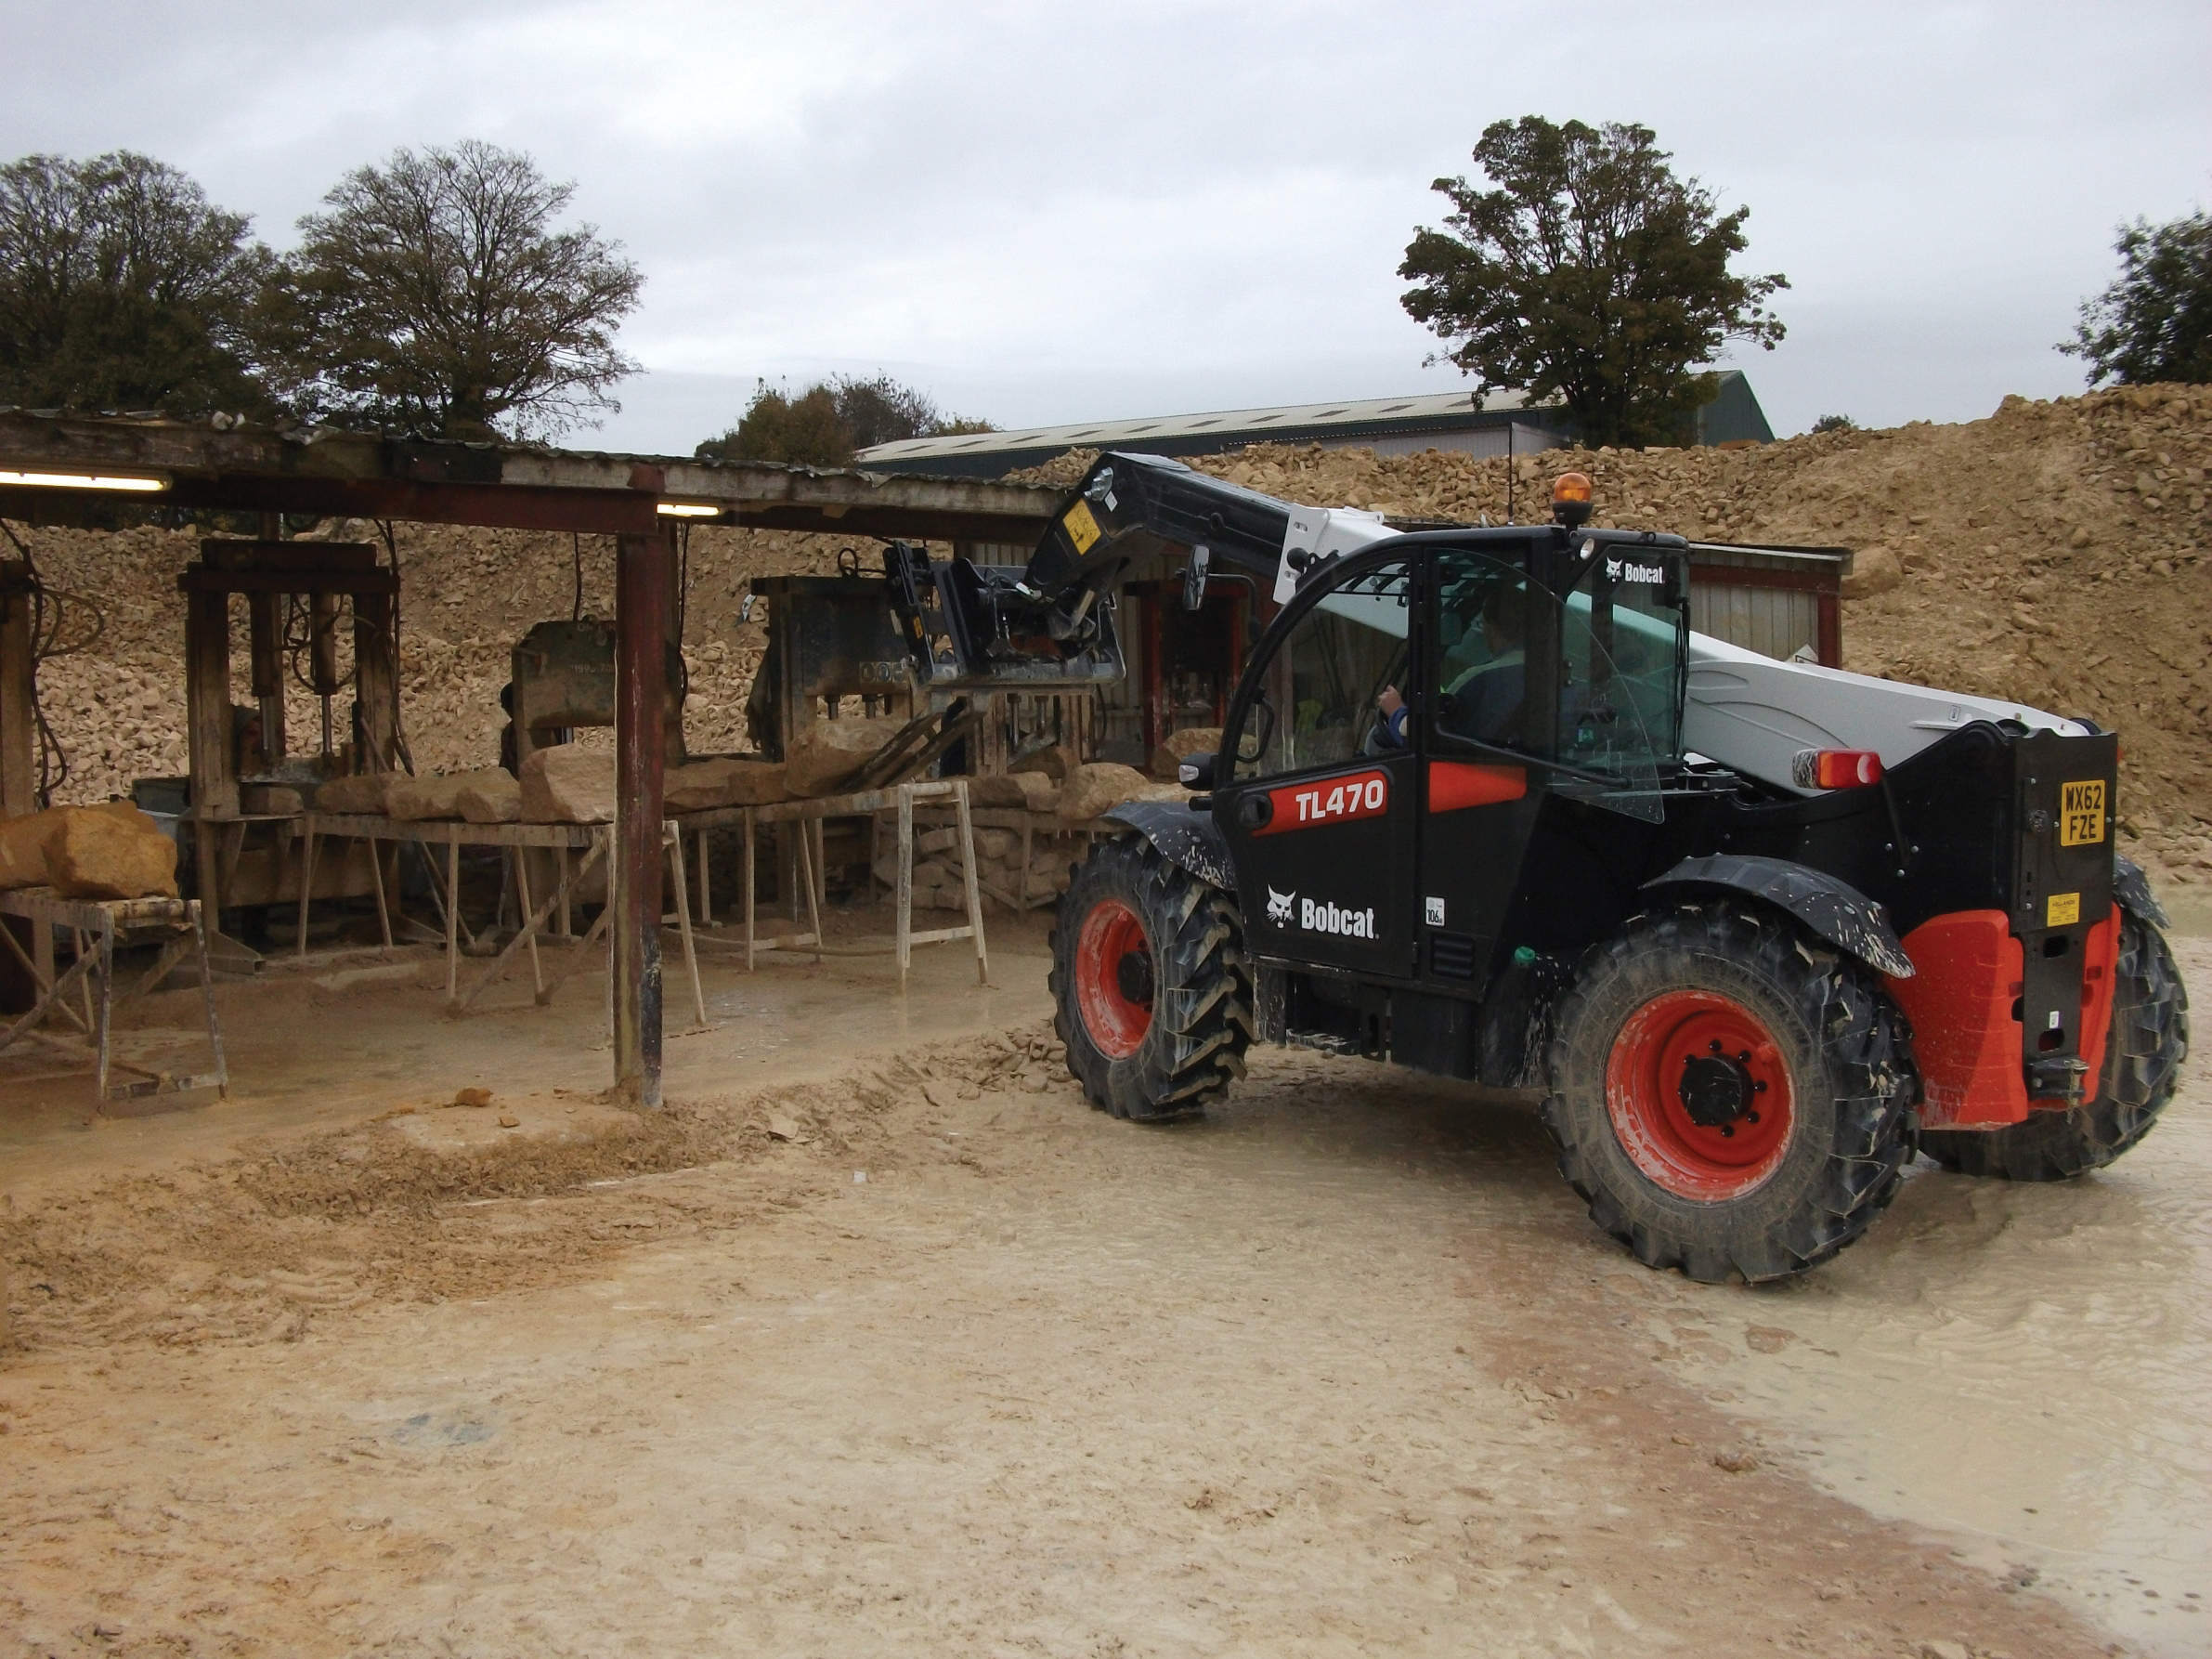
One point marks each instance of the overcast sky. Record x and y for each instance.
(1045, 213)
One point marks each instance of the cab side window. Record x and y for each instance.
(1480, 655)
(1588, 682)
(1323, 695)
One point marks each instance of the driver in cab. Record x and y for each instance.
(1482, 699)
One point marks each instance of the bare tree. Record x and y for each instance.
(436, 295)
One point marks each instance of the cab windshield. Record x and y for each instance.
(1623, 609)
(1611, 653)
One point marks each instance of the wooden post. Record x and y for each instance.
(806, 873)
(452, 918)
(643, 572)
(322, 661)
(690, 956)
(905, 921)
(106, 973)
(207, 716)
(975, 901)
(376, 875)
(19, 741)
(268, 638)
(376, 679)
(529, 919)
(307, 883)
(745, 854)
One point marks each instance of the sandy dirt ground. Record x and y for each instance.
(878, 1339)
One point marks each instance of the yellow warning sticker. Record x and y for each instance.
(2081, 812)
(1082, 530)
(2064, 910)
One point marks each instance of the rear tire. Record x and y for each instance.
(2142, 1062)
(1660, 1041)
(1151, 993)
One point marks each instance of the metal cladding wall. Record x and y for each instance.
(1482, 442)
(1772, 621)
(1734, 415)
(1774, 601)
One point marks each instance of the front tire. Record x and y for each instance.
(1730, 1096)
(2142, 1063)
(1151, 997)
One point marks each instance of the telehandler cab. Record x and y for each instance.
(1485, 807)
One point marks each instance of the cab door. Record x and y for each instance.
(1320, 812)
(1546, 719)
(1480, 794)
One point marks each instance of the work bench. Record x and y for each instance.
(809, 816)
(593, 840)
(98, 925)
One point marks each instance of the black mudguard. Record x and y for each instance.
(2132, 888)
(1828, 909)
(1185, 835)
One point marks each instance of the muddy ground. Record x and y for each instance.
(880, 1341)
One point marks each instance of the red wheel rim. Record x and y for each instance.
(1701, 1047)
(1115, 1020)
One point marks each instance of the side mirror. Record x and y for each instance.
(1195, 772)
(1194, 578)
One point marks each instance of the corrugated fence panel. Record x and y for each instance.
(1773, 621)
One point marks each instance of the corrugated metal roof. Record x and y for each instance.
(1344, 417)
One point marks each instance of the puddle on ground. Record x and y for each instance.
(435, 1431)
(2026, 1366)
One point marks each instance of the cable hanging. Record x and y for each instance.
(405, 756)
(50, 610)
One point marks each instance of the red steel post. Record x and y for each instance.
(641, 608)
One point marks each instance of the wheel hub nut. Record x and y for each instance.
(1715, 1089)
(1133, 975)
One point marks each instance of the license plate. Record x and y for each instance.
(2081, 812)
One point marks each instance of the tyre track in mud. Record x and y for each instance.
(257, 1245)
(1342, 1366)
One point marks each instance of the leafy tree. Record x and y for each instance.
(1590, 273)
(2154, 322)
(436, 295)
(881, 410)
(824, 425)
(802, 431)
(1836, 422)
(122, 286)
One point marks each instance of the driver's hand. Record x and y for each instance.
(1390, 702)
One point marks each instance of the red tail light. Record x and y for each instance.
(1836, 768)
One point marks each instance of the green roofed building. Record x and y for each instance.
(1505, 423)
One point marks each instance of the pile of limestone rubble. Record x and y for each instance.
(2058, 553)
(2054, 554)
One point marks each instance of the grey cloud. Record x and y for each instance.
(1062, 213)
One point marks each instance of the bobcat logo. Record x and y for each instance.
(1279, 907)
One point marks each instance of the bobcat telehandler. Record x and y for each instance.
(1485, 807)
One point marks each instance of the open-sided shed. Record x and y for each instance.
(59, 468)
